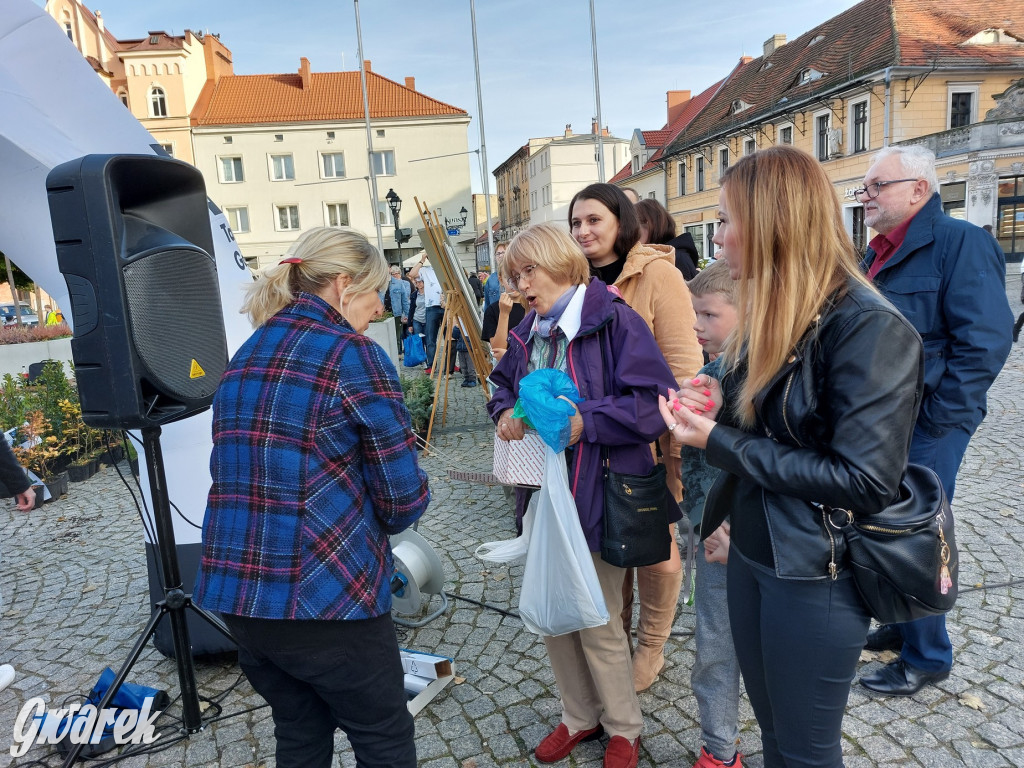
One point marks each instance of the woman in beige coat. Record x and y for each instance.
(605, 225)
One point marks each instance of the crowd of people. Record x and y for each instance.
(787, 375)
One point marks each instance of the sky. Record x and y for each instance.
(536, 65)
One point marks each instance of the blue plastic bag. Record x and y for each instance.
(541, 404)
(414, 352)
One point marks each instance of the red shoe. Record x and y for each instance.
(620, 753)
(707, 760)
(558, 744)
(427, 371)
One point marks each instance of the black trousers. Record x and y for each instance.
(321, 675)
(797, 643)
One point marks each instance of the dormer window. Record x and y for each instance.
(809, 75)
(738, 105)
(766, 66)
(992, 36)
(154, 39)
(816, 39)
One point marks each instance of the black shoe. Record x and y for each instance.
(900, 679)
(886, 638)
(1017, 325)
(469, 383)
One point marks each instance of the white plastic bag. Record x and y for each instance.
(511, 549)
(560, 592)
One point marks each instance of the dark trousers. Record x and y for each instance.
(797, 643)
(321, 675)
(926, 643)
(434, 317)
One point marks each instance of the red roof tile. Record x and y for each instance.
(253, 99)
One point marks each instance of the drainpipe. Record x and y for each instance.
(888, 96)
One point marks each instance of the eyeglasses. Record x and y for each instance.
(872, 190)
(527, 272)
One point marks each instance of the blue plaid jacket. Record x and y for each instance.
(314, 464)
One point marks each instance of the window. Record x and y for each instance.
(287, 217)
(821, 123)
(681, 169)
(384, 214)
(723, 161)
(749, 147)
(533, 168)
(330, 135)
(380, 133)
(860, 230)
(123, 96)
(231, 170)
(168, 148)
(228, 139)
(860, 126)
(238, 219)
(384, 163)
(786, 134)
(652, 196)
(960, 108)
(334, 165)
(278, 137)
(337, 214)
(282, 168)
(700, 173)
(533, 201)
(636, 164)
(67, 29)
(157, 103)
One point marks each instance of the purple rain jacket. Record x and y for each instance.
(620, 405)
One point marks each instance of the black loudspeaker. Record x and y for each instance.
(135, 247)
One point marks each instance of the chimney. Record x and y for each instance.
(410, 83)
(677, 101)
(366, 65)
(604, 131)
(745, 60)
(568, 130)
(593, 127)
(304, 72)
(773, 43)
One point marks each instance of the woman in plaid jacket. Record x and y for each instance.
(314, 465)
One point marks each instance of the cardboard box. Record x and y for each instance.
(520, 462)
(426, 675)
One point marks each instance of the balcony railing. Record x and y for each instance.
(979, 137)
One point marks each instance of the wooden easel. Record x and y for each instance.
(458, 312)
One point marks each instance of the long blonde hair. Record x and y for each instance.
(795, 253)
(313, 261)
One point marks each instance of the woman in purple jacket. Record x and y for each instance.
(579, 325)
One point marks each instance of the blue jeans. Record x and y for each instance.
(321, 675)
(926, 643)
(798, 642)
(434, 317)
(715, 675)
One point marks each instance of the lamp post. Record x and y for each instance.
(401, 235)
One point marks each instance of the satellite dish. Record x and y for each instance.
(418, 573)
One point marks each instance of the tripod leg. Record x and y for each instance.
(115, 686)
(212, 620)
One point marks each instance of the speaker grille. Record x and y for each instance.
(173, 296)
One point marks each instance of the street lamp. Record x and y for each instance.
(395, 204)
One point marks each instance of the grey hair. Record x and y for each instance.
(917, 161)
(323, 253)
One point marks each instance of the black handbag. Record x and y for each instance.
(904, 559)
(635, 518)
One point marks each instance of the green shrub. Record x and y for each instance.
(22, 334)
(418, 392)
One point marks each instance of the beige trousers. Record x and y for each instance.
(593, 668)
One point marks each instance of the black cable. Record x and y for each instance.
(502, 611)
(983, 587)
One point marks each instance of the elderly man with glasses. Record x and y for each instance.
(947, 277)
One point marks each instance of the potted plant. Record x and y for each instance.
(37, 449)
(418, 393)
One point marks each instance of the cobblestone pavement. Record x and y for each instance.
(75, 585)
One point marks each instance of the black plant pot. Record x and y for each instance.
(79, 473)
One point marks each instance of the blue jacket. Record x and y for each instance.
(948, 278)
(399, 290)
(492, 290)
(625, 420)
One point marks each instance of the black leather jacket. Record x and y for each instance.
(833, 428)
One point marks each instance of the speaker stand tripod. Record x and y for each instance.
(175, 603)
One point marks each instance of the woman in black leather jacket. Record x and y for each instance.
(816, 410)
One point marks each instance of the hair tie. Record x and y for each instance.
(290, 260)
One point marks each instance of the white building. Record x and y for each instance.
(565, 165)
